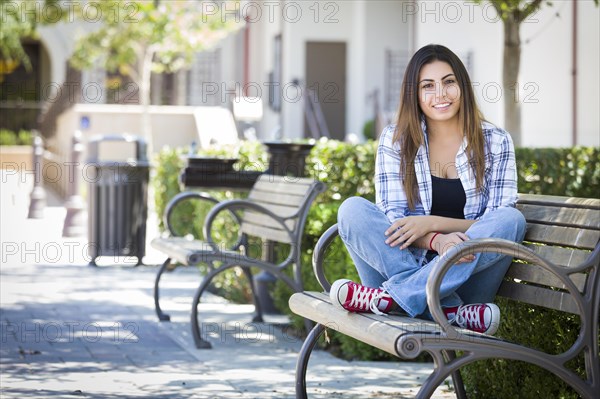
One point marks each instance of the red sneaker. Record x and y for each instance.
(357, 298)
(479, 317)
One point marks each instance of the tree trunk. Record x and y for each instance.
(510, 79)
(145, 98)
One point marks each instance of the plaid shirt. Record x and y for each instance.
(499, 183)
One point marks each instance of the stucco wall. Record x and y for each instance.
(370, 27)
(173, 126)
(367, 28)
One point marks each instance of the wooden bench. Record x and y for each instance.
(558, 270)
(275, 210)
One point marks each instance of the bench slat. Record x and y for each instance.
(266, 221)
(538, 296)
(179, 248)
(279, 210)
(581, 218)
(560, 235)
(552, 200)
(282, 184)
(535, 274)
(278, 198)
(378, 331)
(261, 225)
(266, 233)
(561, 256)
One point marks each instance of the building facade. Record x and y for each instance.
(327, 67)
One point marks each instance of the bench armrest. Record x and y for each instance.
(319, 255)
(171, 205)
(489, 245)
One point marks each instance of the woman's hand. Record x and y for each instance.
(407, 230)
(444, 242)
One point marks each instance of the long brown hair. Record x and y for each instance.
(408, 126)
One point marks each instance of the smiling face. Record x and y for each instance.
(439, 93)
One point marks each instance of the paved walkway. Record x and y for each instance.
(70, 330)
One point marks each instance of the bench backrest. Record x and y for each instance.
(287, 197)
(560, 229)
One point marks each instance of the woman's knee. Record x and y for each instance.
(352, 211)
(351, 207)
(517, 218)
(505, 222)
(514, 219)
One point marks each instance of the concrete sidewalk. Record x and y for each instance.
(71, 330)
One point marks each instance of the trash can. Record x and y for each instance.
(117, 170)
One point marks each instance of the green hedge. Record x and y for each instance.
(572, 172)
(348, 170)
(22, 137)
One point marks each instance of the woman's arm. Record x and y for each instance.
(446, 233)
(419, 230)
(389, 193)
(503, 182)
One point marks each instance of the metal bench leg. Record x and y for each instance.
(161, 316)
(457, 381)
(257, 317)
(196, 332)
(441, 371)
(308, 324)
(303, 358)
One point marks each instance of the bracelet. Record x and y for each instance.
(431, 241)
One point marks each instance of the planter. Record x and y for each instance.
(206, 164)
(287, 159)
(16, 157)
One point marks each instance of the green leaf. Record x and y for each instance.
(174, 32)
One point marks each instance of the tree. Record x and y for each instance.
(19, 21)
(513, 13)
(137, 38)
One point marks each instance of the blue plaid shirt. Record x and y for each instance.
(499, 183)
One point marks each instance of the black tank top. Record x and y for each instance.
(448, 198)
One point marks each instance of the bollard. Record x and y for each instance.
(37, 197)
(263, 283)
(75, 223)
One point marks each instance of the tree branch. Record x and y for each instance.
(497, 7)
(133, 74)
(528, 10)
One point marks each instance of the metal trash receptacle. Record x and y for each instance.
(118, 173)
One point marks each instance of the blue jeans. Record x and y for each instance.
(361, 227)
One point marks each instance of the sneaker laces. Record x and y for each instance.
(470, 319)
(375, 302)
(365, 297)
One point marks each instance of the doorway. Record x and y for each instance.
(326, 81)
(21, 89)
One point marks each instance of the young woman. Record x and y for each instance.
(443, 176)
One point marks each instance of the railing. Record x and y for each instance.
(314, 115)
(47, 124)
(55, 167)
